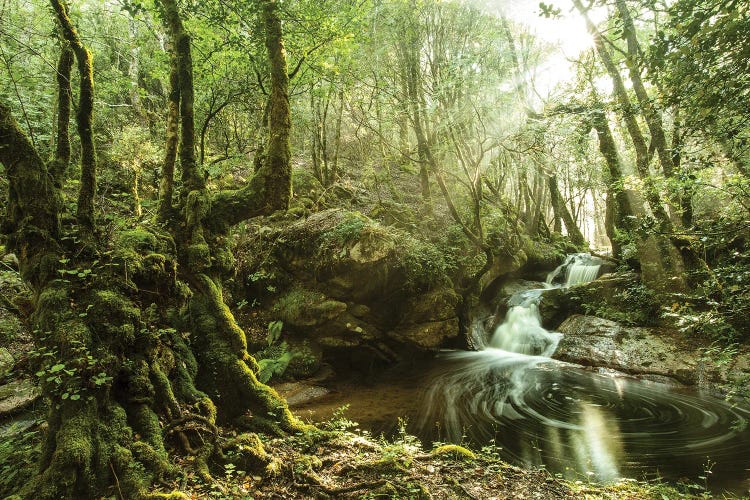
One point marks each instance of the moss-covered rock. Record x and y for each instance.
(342, 281)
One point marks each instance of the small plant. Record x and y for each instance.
(274, 359)
(79, 375)
(338, 422)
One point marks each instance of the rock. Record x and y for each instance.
(17, 395)
(304, 308)
(598, 342)
(556, 305)
(501, 267)
(437, 305)
(6, 360)
(372, 249)
(299, 393)
(344, 282)
(427, 335)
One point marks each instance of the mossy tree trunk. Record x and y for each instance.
(84, 117)
(166, 185)
(61, 161)
(561, 211)
(138, 354)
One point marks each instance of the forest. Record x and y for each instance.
(374, 249)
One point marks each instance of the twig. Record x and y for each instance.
(368, 485)
(467, 492)
(117, 481)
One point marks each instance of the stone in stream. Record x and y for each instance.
(643, 352)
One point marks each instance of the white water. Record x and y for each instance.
(578, 268)
(521, 331)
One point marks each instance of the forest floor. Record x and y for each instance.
(343, 464)
(338, 463)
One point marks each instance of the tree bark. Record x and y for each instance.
(192, 178)
(61, 162)
(84, 118)
(166, 186)
(561, 211)
(278, 171)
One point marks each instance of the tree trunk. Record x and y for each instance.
(651, 115)
(561, 211)
(631, 124)
(166, 187)
(413, 82)
(84, 118)
(337, 137)
(61, 162)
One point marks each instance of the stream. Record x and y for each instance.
(535, 411)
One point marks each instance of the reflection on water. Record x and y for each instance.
(541, 412)
(572, 421)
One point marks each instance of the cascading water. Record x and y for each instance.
(540, 412)
(522, 331)
(578, 268)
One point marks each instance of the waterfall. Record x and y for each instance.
(521, 331)
(572, 421)
(578, 268)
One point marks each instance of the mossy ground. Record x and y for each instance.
(342, 464)
(337, 463)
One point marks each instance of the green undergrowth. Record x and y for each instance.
(422, 261)
(20, 449)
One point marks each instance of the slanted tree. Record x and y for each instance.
(137, 351)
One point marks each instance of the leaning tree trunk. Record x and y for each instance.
(561, 211)
(662, 265)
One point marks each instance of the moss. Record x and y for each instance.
(199, 255)
(175, 495)
(146, 425)
(301, 307)
(52, 307)
(163, 389)
(247, 452)
(454, 451)
(224, 372)
(154, 460)
(114, 317)
(138, 240)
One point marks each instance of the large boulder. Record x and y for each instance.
(645, 352)
(343, 281)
